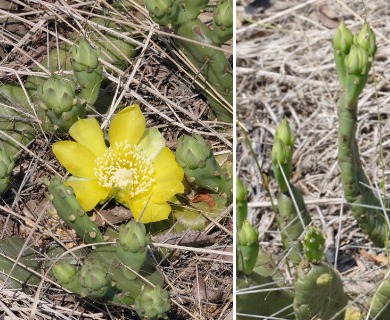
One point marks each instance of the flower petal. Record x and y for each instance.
(88, 133)
(88, 192)
(76, 158)
(152, 142)
(128, 124)
(164, 191)
(166, 167)
(146, 211)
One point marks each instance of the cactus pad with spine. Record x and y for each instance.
(132, 247)
(70, 211)
(262, 293)
(380, 306)
(319, 292)
(313, 245)
(241, 203)
(20, 277)
(248, 248)
(200, 166)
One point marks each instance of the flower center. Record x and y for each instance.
(125, 167)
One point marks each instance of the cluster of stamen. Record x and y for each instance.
(124, 166)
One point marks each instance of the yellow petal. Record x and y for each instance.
(76, 158)
(88, 133)
(88, 192)
(128, 124)
(166, 167)
(163, 191)
(146, 211)
(152, 142)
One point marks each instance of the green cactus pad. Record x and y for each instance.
(248, 247)
(20, 277)
(132, 248)
(71, 212)
(380, 307)
(200, 166)
(293, 217)
(223, 22)
(319, 293)
(261, 294)
(241, 203)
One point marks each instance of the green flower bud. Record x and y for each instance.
(284, 133)
(357, 62)
(165, 12)
(366, 39)
(240, 190)
(342, 39)
(58, 94)
(248, 234)
(64, 272)
(6, 166)
(94, 278)
(152, 303)
(132, 237)
(159, 7)
(223, 14)
(280, 152)
(192, 152)
(313, 245)
(84, 57)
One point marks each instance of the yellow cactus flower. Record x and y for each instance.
(137, 169)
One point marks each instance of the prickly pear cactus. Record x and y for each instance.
(380, 308)
(262, 293)
(248, 248)
(319, 292)
(70, 211)
(152, 303)
(210, 62)
(17, 275)
(200, 166)
(292, 216)
(241, 203)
